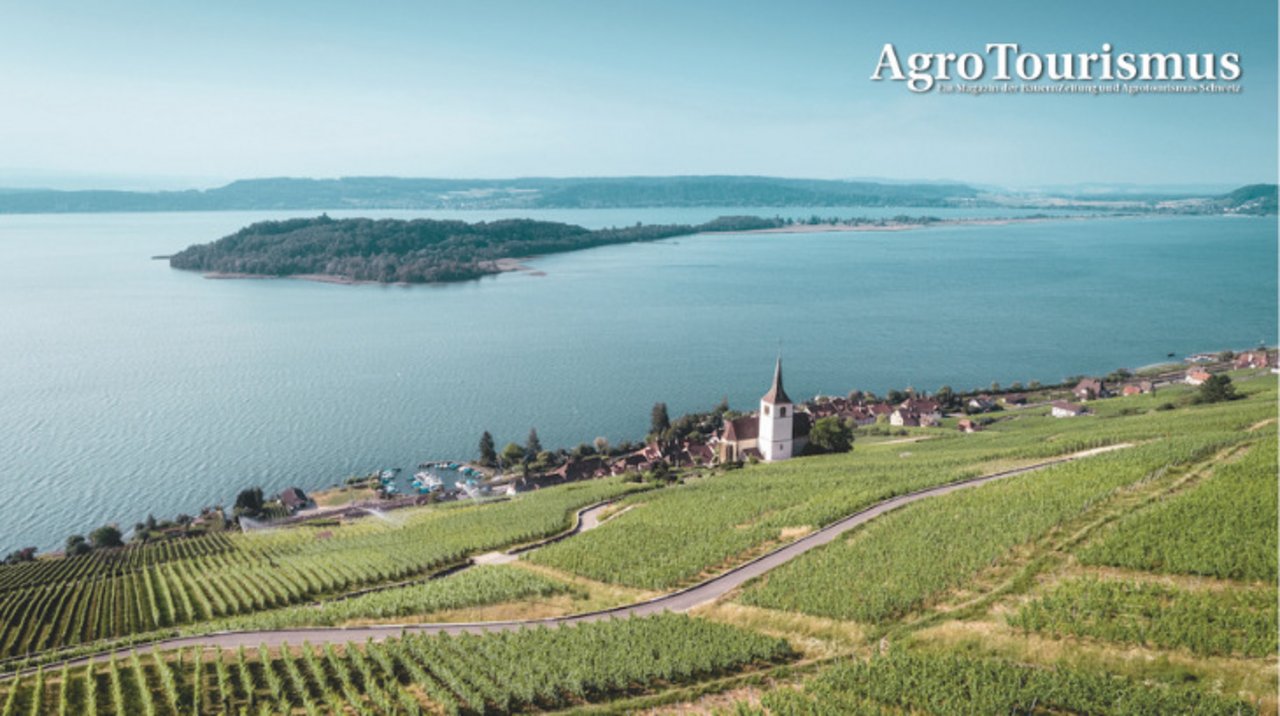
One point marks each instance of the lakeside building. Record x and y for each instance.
(1141, 387)
(775, 432)
(1090, 389)
(1063, 409)
(1197, 377)
(1255, 359)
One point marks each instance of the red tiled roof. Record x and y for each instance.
(746, 427)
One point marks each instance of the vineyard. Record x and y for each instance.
(478, 586)
(503, 672)
(1224, 527)
(945, 685)
(53, 603)
(1206, 622)
(709, 524)
(898, 562)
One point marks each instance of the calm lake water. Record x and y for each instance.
(127, 387)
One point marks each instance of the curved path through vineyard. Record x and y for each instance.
(679, 601)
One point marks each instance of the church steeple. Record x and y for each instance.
(776, 394)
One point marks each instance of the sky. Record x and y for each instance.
(144, 94)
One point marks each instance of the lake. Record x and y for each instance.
(127, 387)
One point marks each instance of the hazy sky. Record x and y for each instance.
(186, 92)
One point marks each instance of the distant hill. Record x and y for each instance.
(532, 193)
(1251, 199)
(360, 193)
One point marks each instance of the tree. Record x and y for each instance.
(602, 445)
(488, 453)
(661, 472)
(77, 545)
(512, 455)
(723, 406)
(1216, 389)
(659, 421)
(1119, 375)
(829, 434)
(533, 446)
(106, 536)
(544, 460)
(249, 501)
(897, 396)
(26, 554)
(945, 396)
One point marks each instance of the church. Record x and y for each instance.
(776, 432)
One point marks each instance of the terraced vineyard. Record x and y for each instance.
(946, 685)
(900, 616)
(475, 587)
(505, 672)
(1210, 622)
(54, 603)
(897, 563)
(710, 524)
(1224, 527)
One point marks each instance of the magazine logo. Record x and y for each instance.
(1005, 62)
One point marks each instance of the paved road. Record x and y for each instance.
(588, 518)
(679, 601)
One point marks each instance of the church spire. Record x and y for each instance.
(776, 394)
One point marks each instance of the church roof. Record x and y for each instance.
(776, 394)
(746, 427)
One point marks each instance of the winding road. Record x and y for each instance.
(679, 601)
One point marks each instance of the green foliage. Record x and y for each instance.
(897, 562)
(947, 685)
(393, 250)
(1216, 389)
(1207, 622)
(830, 434)
(106, 536)
(512, 455)
(249, 501)
(533, 446)
(659, 421)
(709, 524)
(1224, 527)
(503, 672)
(478, 586)
(77, 545)
(48, 604)
(488, 453)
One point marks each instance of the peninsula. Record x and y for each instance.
(417, 251)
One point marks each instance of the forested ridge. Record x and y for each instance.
(417, 251)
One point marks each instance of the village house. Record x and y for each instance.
(981, 403)
(294, 499)
(1253, 359)
(776, 432)
(1141, 387)
(906, 418)
(1090, 389)
(1014, 399)
(1063, 409)
(1197, 376)
(968, 426)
